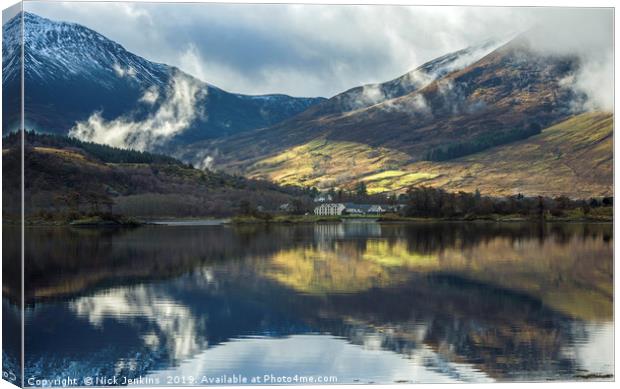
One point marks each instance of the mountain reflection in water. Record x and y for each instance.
(365, 302)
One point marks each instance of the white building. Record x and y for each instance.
(356, 209)
(376, 208)
(330, 209)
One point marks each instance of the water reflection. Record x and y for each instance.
(427, 302)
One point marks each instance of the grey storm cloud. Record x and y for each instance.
(320, 50)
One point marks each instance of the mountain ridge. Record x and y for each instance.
(476, 97)
(508, 96)
(73, 72)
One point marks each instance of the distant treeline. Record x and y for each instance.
(104, 153)
(433, 202)
(422, 201)
(481, 142)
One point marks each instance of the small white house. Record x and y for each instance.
(377, 209)
(330, 209)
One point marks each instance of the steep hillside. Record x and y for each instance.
(65, 178)
(574, 157)
(74, 74)
(510, 94)
(368, 95)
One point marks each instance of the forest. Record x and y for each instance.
(438, 203)
(481, 142)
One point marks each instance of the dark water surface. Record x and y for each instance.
(352, 302)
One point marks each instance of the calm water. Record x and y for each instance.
(352, 302)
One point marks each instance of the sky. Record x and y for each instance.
(320, 50)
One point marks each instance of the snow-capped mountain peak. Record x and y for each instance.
(61, 50)
(77, 79)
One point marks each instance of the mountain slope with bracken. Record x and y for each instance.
(509, 95)
(573, 158)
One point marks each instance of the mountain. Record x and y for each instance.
(367, 95)
(439, 124)
(354, 99)
(509, 95)
(74, 74)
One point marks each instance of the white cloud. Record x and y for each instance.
(207, 163)
(150, 96)
(170, 320)
(124, 72)
(588, 35)
(191, 62)
(595, 79)
(371, 94)
(310, 50)
(172, 117)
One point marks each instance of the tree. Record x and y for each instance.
(585, 207)
(594, 203)
(360, 189)
(297, 207)
(245, 208)
(541, 207)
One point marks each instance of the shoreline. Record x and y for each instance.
(240, 220)
(134, 222)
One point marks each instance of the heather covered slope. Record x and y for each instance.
(574, 158)
(508, 95)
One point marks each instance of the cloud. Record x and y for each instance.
(204, 159)
(319, 50)
(150, 96)
(174, 115)
(371, 94)
(587, 35)
(595, 79)
(124, 72)
(206, 163)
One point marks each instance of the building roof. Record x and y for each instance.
(363, 207)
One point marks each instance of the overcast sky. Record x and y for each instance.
(318, 50)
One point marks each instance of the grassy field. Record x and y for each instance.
(574, 158)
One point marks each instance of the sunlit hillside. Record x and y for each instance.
(574, 157)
